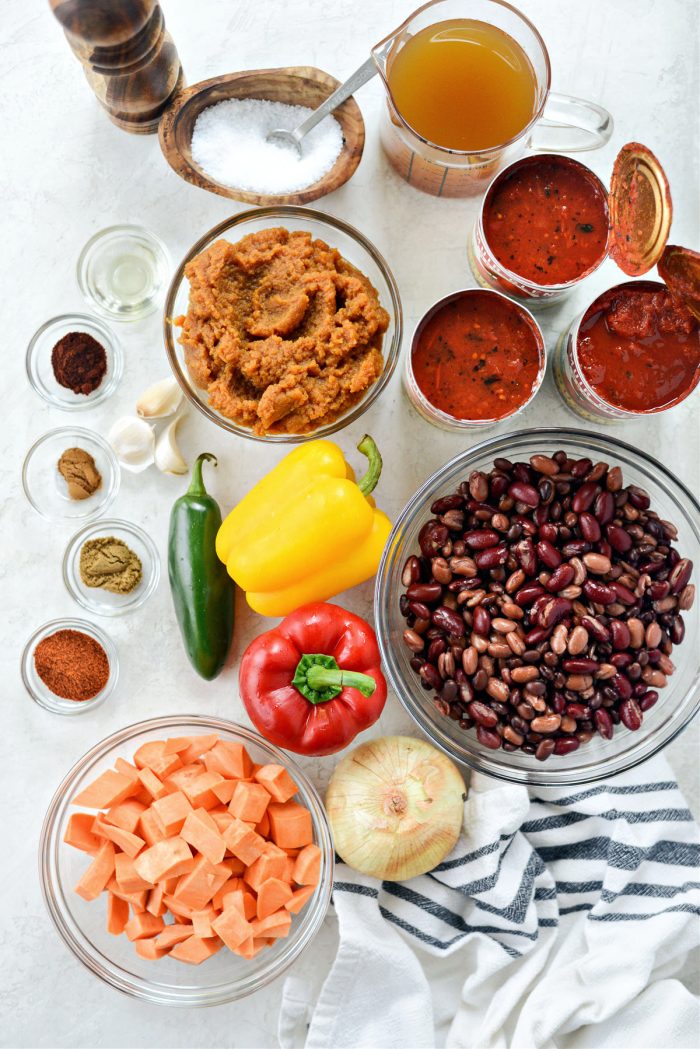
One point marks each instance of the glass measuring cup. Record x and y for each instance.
(575, 124)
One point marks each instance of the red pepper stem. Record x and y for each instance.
(368, 483)
(320, 677)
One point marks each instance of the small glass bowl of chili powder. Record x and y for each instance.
(543, 227)
(74, 361)
(476, 358)
(634, 351)
(69, 666)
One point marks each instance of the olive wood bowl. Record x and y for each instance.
(293, 85)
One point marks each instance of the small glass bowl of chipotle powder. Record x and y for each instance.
(74, 362)
(476, 359)
(111, 567)
(547, 222)
(69, 666)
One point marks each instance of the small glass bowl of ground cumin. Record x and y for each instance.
(70, 474)
(69, 666)
(111, 567)
(74, 361)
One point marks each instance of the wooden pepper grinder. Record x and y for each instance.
(128, 57)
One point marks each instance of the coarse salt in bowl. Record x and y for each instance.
(229, 143)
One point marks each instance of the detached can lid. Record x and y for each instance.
(640, 210)
(679, 269)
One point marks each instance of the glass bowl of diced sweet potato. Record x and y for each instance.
(186, 861)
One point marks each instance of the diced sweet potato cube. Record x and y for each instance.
(150, 828)
(249, 801)
(117, 914)
(236, 867)
(126, 768)
(199, 745)
(299, 898)
(165, 859)
(179, 910)
(229, 759)
(152, 755)
(243, 842)
(200, 792)
(151, 784)
(137, 900)
(80, 835)
(173, 934)
(272, 895)
(108, 789)
(243, 901)
(143, 926)
(95, 878)
(147, 949)
(128, 878)
(275, 925)
(232, 927)
(290, 824)
(154, 901)
(263, 827)
(223, 820)
(129, 843)
(307, 866)
(176, 745)
(289, 869)
(125, 815)
(200, 831)
(198, 887)
(182, 777)
(219, 897)
(224, 790)
(196, 950)
(201, 922)
(172, 811)
(270, 864)
(277, 781)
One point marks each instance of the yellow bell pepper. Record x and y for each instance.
(306, 531)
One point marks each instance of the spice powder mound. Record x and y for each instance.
(78, 469)
(72, 665)
(79, 362)
(108, 563)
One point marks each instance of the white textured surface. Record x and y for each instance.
(68, 172)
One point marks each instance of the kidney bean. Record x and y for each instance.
(448, 502)
(430, 677)
(604, 508)
(622, 686)
(497, 689)
(590, 529)
(470, 660)
(648, 699)
(413, 640)
(680, 575)
(432, 537)
(544, 465)
(638, 497)
(419, 610)
(524, 493)
(618, 538)
(597, 563)
(560, 578)
(481, 539)
(654, 677)
(574, 548)
(624, 594)
(547, 553)
(491, 558)
(427, 593)
(478, 485)
(448, 620)
(584, 496)
(566, 745)
(580, 666)
(554, 610)
(604, 724)
(488, 738)
(481, 622)
(435, 649)
(545, 749)
(525, 553)
(441, 570)
(599, 592)
(613, 481)
(619, 634)
(546, 724)
(411, 571)
(630, 714)
(677, 630)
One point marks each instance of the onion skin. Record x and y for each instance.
(395, 807)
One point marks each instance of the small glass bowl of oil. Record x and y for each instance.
(123, 272)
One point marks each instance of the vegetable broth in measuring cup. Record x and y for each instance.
(463, 84)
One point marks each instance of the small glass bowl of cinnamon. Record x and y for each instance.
(46, 487)
(69, 666)
(71, 373)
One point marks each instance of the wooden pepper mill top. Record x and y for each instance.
(128, 57)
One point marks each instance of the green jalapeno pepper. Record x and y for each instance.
(203, 592)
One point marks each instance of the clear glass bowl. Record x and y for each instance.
(223, 978)
(40, 371)
(351, 244)
(122, 272)
(43, 695)
(599, 758)
(46, 489)
(103, 602)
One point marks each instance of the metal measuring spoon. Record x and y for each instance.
(293, 138)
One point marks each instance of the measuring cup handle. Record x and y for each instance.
(571, 125)
(366, 71)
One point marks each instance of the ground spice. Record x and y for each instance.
(108, 563)
(72, 665)
(79, 362)
(77, 468)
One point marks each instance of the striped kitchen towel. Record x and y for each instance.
(563, 918)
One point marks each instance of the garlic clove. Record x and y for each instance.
(161, 399)
(133, 441)
(396, 807)
(168, 457)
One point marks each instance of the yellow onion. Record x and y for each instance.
(395, 807)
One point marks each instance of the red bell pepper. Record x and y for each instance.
(311, 684)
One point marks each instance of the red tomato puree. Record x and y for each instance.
(546, 219)
(638, 349)
(478, 356)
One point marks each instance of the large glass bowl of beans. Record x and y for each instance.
(535, 607)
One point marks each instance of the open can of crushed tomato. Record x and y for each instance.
(547, 222)
(634, 351)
